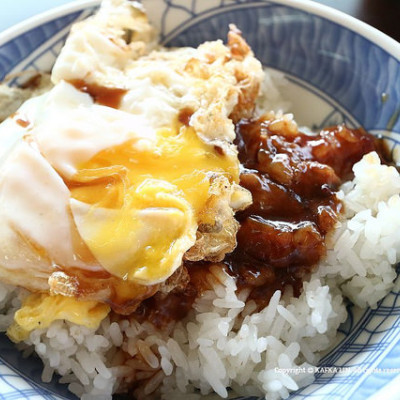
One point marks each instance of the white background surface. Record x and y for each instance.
(14, 11)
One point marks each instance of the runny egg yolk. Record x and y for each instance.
(39, 310)
(138, 209)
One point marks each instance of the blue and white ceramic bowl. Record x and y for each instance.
(339, 69)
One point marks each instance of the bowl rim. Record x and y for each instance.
(44, 17)
(375, 36)
(372, 34)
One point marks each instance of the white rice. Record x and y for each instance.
(223, 343)
(366, 245)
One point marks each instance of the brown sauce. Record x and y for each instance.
(162, 309)
(184, 115)
(22, 122)
(103, 95)
(33, 82)
(293, 179)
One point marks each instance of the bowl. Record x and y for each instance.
(338, 70)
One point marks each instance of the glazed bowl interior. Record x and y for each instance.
(337, 70)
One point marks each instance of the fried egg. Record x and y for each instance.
(126, 166)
